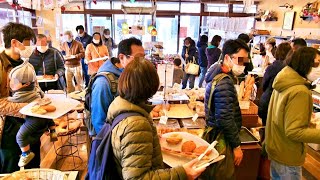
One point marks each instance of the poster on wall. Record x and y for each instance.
(288, 20)
(48, 4)
(36, 4)
(183, 32)
(165, 73)
(61, 3)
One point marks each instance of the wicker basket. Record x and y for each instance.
(36, 174)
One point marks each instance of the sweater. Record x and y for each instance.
(213, 53)
(94, 52)
(75, 48)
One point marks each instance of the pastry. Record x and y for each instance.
(49, 77)
(188, 146)
(44, 101)
(38, 110)
(201, 149)
(174, 139)
(49, 108)
(157, 108)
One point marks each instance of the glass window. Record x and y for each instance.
(216, 8)
(25, 18)
(116, 5)
(190, 7)
(168, 6)
(6, 15)
(167, 33)
(98, 5)
(98, 21)
(71, 21)
(239, 8)
(189, 27)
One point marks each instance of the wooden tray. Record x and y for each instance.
(253, 109)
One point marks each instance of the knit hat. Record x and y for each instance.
(23, 73)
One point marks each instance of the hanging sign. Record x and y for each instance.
(183, 32)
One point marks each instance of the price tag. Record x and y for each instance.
(163, 119)
(195, 117)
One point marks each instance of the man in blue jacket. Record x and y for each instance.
(85, 39)
(128, 49)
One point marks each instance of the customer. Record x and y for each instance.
(101, 89)
(222, 107)
(248, 64)
(73, 66)
(108, 41)
(134, 140)
(189, 54)
(18, 40)
(268, 78)
(271, 48)
(25, 88)
(289, 115)
(213, 52)
(177, 72)
(202, 61)
(298, 43)
(47, 61)
(85, 39)
(93, 51)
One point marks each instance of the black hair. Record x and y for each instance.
(204, 38)
(234, 46)
(79, 27)
(244, 37)
(177, 61)
(187, 39)
(299, 42)
(115, 60)
(302, 60)
(216, 40)
(105, 30)
(100, 43)
(124, 46)
(17, 31)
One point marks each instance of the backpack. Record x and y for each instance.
(113, 81)
(101, 162)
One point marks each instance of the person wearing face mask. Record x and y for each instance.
(85, 39)
(96, 49)
(222, 107)
(247, 40)
(189, 53)
(108, 41)
(270, 46)
(18, 40)
(73, 66)
(289, 115)
(268, 78)
(47, 61)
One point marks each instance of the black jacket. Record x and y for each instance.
(268, 78)
(192, 52)
(202, 61)
(213, 53)
(225, 114)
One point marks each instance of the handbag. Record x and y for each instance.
(192, 67)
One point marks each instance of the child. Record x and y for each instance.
(177, 73)
(25, 89)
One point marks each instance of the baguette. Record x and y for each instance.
(241, 91)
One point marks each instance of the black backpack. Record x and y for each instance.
(113, 81)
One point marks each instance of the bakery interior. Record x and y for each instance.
(162, 27)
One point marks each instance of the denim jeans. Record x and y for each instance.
(185, 79)
(203, 72)
(282, 172)
(85, 72)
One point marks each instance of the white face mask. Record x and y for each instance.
(95, 41)
(27, 52)
(42, 49)
(314, 74)
(107, 36)
(81, 34)
(237, 70)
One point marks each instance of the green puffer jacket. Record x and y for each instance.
(288, 119)
(136, 144)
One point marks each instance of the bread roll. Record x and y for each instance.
(188, 146)
(174, 139)
(49, 108)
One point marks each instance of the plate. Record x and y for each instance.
(98, 59)
(175, 160)
(42, 80)
(69, 57)
(178, 111)
(63, 106)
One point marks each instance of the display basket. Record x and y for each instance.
(36, 174)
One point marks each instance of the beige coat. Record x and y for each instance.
(94, 52)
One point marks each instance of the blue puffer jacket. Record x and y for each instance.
(202, 61)
(225, 114)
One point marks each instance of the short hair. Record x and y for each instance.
(105, 30)
(100, 43)
(40, 36)
(282, 51)
(234, 46)
(115, 60)
(204, 38)
(177, 61)
(216, 40)
(302, 60)
(299, 42)
(139, 81)
(68, 33)
(244, 37)
(124, 46)
(17, 31)
(79, 27)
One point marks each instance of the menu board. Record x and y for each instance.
(165, 73)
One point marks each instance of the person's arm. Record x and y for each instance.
(106, 50)
(81, 51)
(267, 78)
(297, 117)
(8, 108)
(137, 153)
(223, 100)
(88, 53)
(101, 100)
(60, 65)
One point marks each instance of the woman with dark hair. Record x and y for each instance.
(203, 61)
(271, 72)
(135, 143)
(96, 49)
(289, 115)
(108, 41)
(213, 52)
(189, 54)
